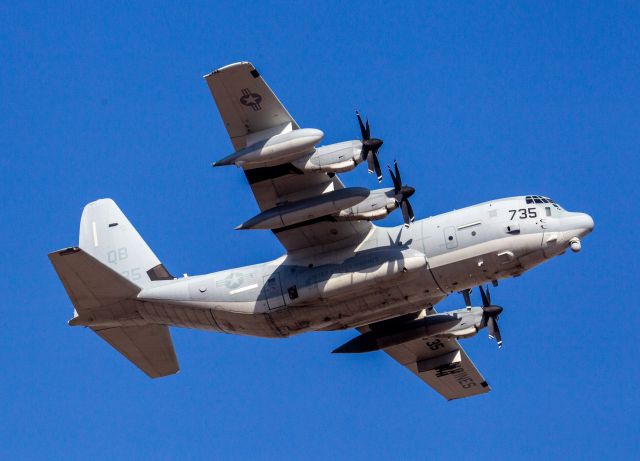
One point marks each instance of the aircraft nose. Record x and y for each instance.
(584, 224)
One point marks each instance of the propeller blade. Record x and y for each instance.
(494, 330)
(396, 185)
(364, 132)
(395, 164)
(412, 217)
(486, 297)
(370, 146)
(376, 166)
(402, 194)
(466, 294)
(371, 162)
(491, 326)
(498, 336)
(406, 216)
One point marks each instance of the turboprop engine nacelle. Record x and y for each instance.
(334, 158)
(278, 149)
(460, 323)
(377, 205)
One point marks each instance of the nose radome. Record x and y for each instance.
(585, 223)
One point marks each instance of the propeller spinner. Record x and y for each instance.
(370, 147)
(403, 192)
(490, 314)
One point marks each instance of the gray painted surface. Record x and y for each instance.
(339, 270)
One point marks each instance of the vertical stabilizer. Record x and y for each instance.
(107, 235)
(103, 278)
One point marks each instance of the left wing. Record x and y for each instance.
(271, 188)
(252, 112)
(246, 103)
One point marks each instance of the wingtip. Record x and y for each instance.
(223, 162)
(229, 66)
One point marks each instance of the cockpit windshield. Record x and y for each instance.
(540, 199)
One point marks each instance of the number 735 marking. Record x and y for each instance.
(524, 213)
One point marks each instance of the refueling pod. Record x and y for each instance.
(306, 209)
(278, 149)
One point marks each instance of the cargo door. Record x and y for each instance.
(450, 237)
(273, 291)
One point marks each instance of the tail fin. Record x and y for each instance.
(108, 236)
(103, 278)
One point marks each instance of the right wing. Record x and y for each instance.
(443, 365)
(252, 112)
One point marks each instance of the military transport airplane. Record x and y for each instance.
(339, 270)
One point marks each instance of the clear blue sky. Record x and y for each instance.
(476, 102)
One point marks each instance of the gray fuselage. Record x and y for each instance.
(394, 271)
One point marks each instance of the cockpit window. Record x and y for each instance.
(541, 199)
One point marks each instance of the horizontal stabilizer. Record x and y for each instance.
(89, 283)
(148, 347)
(98, 292)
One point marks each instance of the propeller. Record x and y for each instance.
(490, 314)
(370, 146)
(466, 294)
(403, 192)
